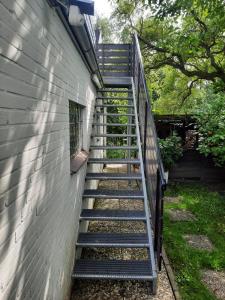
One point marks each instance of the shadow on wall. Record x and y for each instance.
(33, 118)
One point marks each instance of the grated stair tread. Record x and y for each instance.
(99, 147)
(114, 115)
(114, 135)
(116, 215)
(113, 105)
(113, 194)
(113, 269)
(113, 124)
(115, 91)
(113, 161)
(116, 82)
(113, 176)
(113, 98)
(117, 240)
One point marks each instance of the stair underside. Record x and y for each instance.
(116, 240)
(113, 215)
(113, 194)
(113, 269)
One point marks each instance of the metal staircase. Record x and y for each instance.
(120, 91)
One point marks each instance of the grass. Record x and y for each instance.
(209, 209)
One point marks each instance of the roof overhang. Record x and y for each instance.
(86, 6)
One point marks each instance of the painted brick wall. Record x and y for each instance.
(40, 70)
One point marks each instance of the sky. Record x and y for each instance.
(103, 8)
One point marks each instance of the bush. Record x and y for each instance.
(171, 150)
(210, 119)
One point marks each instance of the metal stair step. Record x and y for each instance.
(113, 269)
(113, 98)
(113, 176)
(114, 124)
(112, 215)
(113, 161)
(114, 147)
(113, 105)
(114, 91)
(113, 194)
(117, 240)
(110, 135)
(114, 115)
(117, 82)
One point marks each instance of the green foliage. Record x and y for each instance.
(183, 47)
(171, 150)
(115, 154)
(105, 27)
(168, 88)
(184, 54)
(211, 126)
(121, 109)
(187, 262)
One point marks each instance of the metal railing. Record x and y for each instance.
(154, 172)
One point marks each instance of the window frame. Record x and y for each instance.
(75, 120)
(78, 156)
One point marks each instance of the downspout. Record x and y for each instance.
(82, 41)
(79, 28)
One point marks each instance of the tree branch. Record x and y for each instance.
(176, 61)
(199, 21)
(189, 90)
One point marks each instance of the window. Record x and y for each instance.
(76, 134)
(78, 156)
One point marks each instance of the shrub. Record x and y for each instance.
(171, 150)
(210, 119)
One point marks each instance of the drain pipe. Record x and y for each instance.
(78, 25)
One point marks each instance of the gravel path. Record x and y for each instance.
(118, 290)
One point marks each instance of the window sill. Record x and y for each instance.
(78, 161)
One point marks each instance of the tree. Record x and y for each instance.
(188, 36)
(103, 24)
(210, 118)
(169, 90)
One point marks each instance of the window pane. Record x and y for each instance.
(75, 127)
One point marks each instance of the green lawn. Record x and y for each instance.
(187, 263)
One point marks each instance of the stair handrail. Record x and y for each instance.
(146, 204)
(148, 102)
(154, 171)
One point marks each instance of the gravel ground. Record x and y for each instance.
(118, 290)
(215, 281)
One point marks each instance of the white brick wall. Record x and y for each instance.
(40, 70)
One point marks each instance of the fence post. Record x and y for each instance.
(158, 230)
